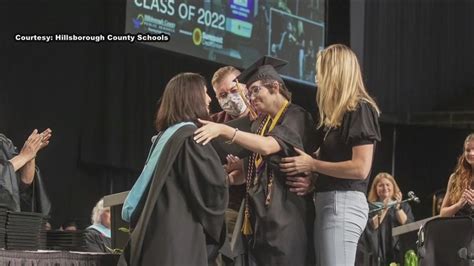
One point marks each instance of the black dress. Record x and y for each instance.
(466, 210)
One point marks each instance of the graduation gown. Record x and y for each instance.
(180, 218)
(13, 192)
(236, 192)
(223, 148)
(379, 244)
(283, 229)
(96, 241)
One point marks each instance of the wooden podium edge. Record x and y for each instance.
(406, 228)
(115, 199)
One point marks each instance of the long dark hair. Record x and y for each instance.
(461, 177)
(184, 99)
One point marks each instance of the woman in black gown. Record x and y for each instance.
(176, 208)
(385, 192)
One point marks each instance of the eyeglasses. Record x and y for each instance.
(254, 90)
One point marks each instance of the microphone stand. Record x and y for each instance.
(390, 205)
(377, 233)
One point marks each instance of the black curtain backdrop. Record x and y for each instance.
(425, 156)
(418, 53)
(100, 99)
(338, 26)
(418, 57)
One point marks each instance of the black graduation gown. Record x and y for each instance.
(379, 244)
(180, 218)
(96, 241)
(223, 148)
(13, 192)
(283, 230)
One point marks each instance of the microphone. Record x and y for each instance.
(412, 196)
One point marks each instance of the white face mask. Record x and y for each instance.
(233, 104)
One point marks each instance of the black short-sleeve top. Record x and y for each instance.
(358, 127)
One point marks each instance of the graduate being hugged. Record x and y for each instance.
(277, 216)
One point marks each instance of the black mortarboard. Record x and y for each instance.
(264, 68)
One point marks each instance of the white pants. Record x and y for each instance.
(341, 217)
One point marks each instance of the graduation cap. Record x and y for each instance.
(264, 68)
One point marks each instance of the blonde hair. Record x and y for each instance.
(223, 72)
(340, 85)
(97, 212)
(373, 197)
(461, 178)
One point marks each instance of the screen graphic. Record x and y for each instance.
(236, 32)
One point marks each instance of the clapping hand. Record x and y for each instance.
(468, 196)
(398, 198)
(45, 137)
(35, 142)
(32, 145)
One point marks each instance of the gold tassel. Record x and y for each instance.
(252, 114)
(246, 227)
(268, 199)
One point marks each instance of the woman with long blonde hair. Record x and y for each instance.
(348, 130)
(459, 199)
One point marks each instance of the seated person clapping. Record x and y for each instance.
(21, 187)
(459, 199)
(385, 192)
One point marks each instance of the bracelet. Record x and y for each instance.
(233, 137)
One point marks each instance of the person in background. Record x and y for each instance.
(69, 225)
(98, 235)
(438, 197)
(21, 185)
(459, 199)
(232, 98)
(47, 226)
(385, 192)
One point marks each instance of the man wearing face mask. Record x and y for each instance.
(233, 107)
(228, 95)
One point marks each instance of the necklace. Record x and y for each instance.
(256, 165)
